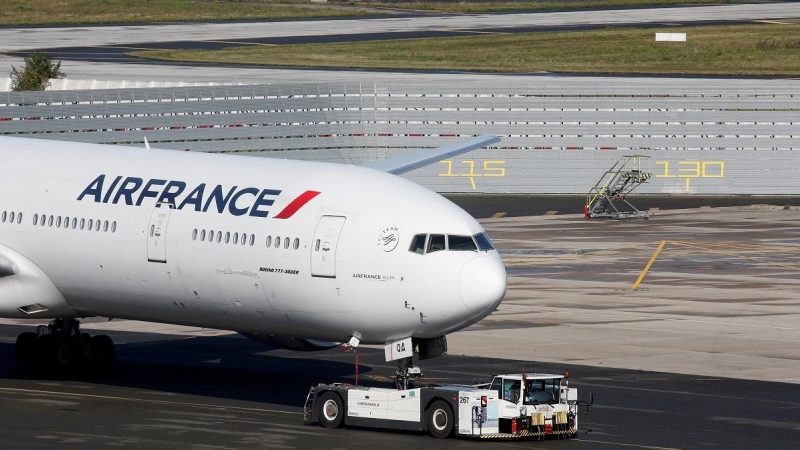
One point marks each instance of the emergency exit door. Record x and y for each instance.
(157, 234)
(323, 248)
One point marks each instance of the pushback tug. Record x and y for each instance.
(515, 406)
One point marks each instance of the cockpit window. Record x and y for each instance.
(460, 243)
(451, 242)
(483, 241)
(436, 243)
(418, 244)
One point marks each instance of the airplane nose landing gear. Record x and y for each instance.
(60, 346)
(406, 371)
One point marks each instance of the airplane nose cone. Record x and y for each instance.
(483, 282)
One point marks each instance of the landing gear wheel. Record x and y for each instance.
(331, 410)
(440, 419)
(86, 346)
(26, 349)
(101, 349)
(65, 352)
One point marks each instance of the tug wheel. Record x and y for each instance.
(440, 419)
(331, 410)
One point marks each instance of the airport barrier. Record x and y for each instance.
(703, 136)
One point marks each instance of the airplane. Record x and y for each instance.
(301, 255)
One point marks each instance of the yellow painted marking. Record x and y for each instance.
(499, 215)
(647, 267)
(141, 400)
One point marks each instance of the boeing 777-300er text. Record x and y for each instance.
(303, 255)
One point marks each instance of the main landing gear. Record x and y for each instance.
(60, 346)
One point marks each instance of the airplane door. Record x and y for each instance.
(323, 248)
(157, 234)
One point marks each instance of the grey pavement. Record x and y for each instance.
(720, 299)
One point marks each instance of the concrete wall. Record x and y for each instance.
(702, 136)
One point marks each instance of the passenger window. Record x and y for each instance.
(114, 226)
(105, 226)
(460, 243)
(277, 242)
(296, 244)
(58, 222)
(202, 235)
(11, 217)
(418, 244)
(227, 237)
(219, 236)
(152, 229)
(74, 223)
(35, 219)
(83, 223)
(211, 236)
(269, 241)
(194, 234)
(436, 243)
(19, 218)
(286, 242)
(244, 238)
(252, 239)
(235, 238)
(97, 225)
(50, 221)
(5, 216)
(316, 246)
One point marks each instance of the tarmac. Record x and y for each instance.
(692, 346)
(707, 291)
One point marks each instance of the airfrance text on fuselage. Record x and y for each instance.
(123, 190)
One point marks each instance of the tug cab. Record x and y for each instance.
(536, 405)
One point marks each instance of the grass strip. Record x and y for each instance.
(61, 12)
(58, 12)
(481, 6)
(758, 50)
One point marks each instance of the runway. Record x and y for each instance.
(701, 354)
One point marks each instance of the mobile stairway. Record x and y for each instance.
(607, 198)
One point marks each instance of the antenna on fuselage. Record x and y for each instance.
(146, 144)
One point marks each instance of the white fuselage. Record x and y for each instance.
(341, 266)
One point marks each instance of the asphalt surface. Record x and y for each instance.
(173, 392)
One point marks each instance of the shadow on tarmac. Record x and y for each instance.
(225, 367)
